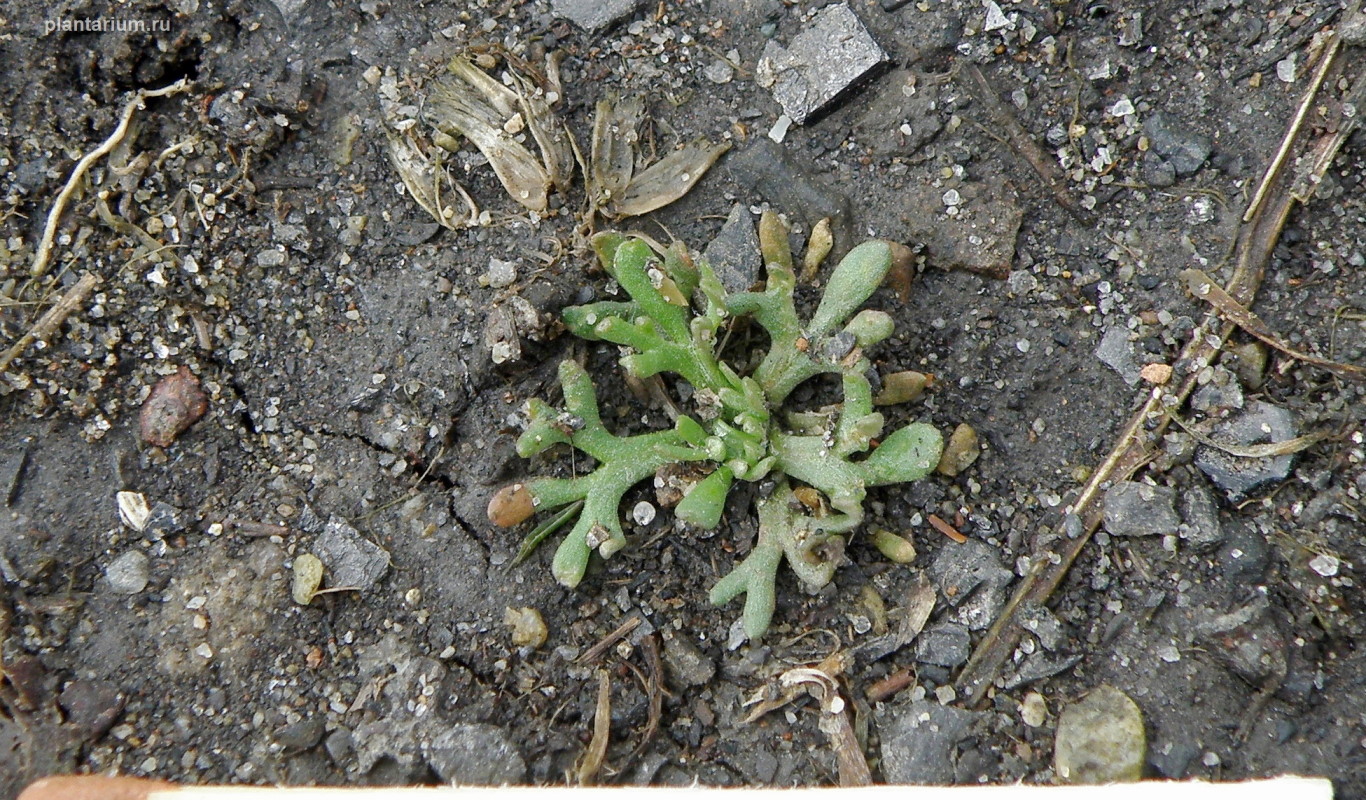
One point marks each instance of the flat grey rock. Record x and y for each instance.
(1260, 423)
(1184, 149)
(1133, 508)
(592, 15)
(946, 644)
(919, 743)
(128, 574)
(734, 253)
(686, 664)
(831, 53)
(350, 559)
(1117, 353)
(476, 754)
(970, 577)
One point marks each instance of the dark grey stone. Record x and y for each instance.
(919, 742)
(1038, 666)
(164, 520)
(831, 53)
(1185, 149)
(1200, 527)
(1244, 554)
(475, 754)
(1248, 641)
(970, 577)
(592, 15)
(339, 746)
(1140, 509)
(946, 644)
(301, 735)
(734, 253)
(1171, 760)
(350, 559)
(1260, 423)
(1221, 394)
(765, 169)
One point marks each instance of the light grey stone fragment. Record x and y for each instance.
(686, 664)
(1259, 424)
(970, 577)
(832, 52)
(128, 574)
(476, 754)
(734, 253)
(350, 559)
(592, 15)
(1100, 739)
(1140, 509)
(1200, 527)
(1117, 353)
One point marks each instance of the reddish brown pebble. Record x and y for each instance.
(511, 505)
(176, 403)
(92, 787)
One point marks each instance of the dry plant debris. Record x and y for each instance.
(502, 118)
(812, 464)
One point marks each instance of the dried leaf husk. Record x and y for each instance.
(472, 104)
(667, 179)
(612, 159)
(423, 180)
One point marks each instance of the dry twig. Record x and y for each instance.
(1133, 449)
(1204, 288)
(74, 298)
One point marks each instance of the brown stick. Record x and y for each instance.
(74, 298)
(1133, 448)
(1021, 142)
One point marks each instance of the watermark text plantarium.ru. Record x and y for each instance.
(105, 25)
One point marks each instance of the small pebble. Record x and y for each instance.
(501, 274)
(1034, 710)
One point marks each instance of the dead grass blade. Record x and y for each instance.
(77, 177)
(1251, 253)
(1204, 288)
(587, 770)
(1268, 450)
(667, 179)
